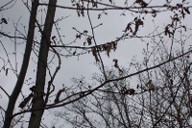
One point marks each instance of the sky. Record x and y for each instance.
(113, 25)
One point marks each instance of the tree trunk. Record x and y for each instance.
(24, 67)
(38, 101)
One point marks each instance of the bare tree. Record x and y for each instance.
(21, 77)
(160, 97)
(113, 100)
(38, 101)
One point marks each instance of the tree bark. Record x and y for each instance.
(24, 67)
(38, 101)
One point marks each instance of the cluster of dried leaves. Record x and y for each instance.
(107, 47)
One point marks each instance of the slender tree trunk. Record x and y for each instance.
(38, 101)
(24, 67)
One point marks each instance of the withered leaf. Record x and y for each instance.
(85, 31)
(94, 52)
(58, 95)
(89, 40)
(114, 45)
(32, 89)
(6, 71)
(25, 101)
(78, 36)
(116, 63)
(142, 3)
(117, 66)
(108, 49)
(167, 31)
(130, 91)
(128, 28)
(81, 94)
(99, 16)
(74, 52)
(53, 37)
(138, 22)
(3, 20)
(187, 10)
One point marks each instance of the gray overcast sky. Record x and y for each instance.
(113, 25)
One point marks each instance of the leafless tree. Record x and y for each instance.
(167, 74)
(160, 98)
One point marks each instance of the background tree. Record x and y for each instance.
(160, 97)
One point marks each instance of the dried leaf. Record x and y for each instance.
(187, 10)
(53, 37)
(116, 63)
(85, 31)
(89, 40)
(130, 91)
(94, 52)
(78, 36)
(167, 31)
(138, 22)
(25, 101)
(128, 28)
(154, 13)
(32, 89)
(108, 49)
(6, 71)
(3, 20)
(94, 4)
(142, 3)
(58, 95)
(114, 45)
(74, 52)
(99, 16)
(81, 94)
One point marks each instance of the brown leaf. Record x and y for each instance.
(117, 66)
(58, 95)
(138, 22)
(116, 63)
(78, 36)
(81, 94)
(3, 20)
(74, 52)
(130, 91)
(108, 49)
(53, 37)
(99, 16)
(6, 71)
(89, 40)
(32, 89)
(128, 28)
(187, 10)
(142, 3)
(94, 52)
(25, 101)
(85, 31)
